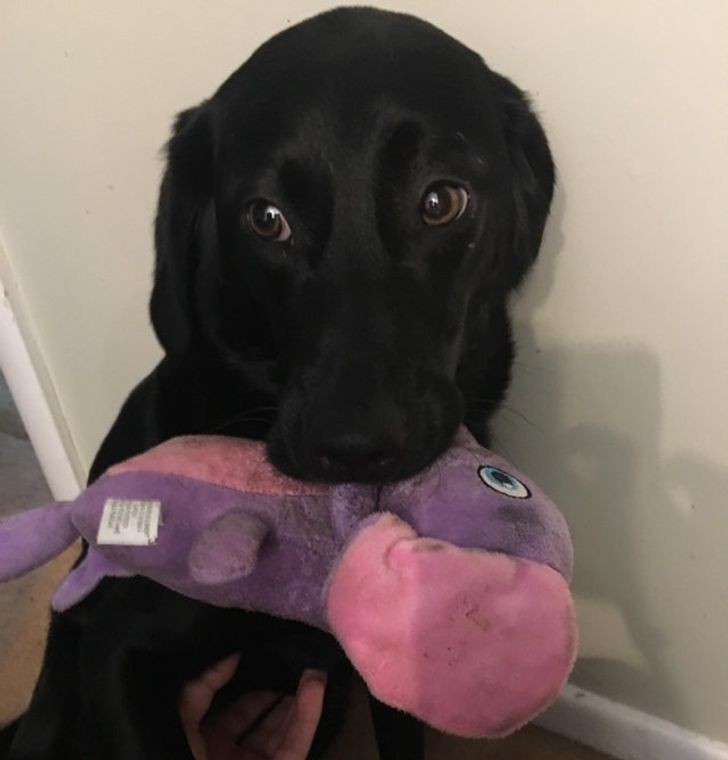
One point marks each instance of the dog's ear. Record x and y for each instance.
(532, 180)
(181, 235)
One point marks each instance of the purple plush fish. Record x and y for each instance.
(448, 591)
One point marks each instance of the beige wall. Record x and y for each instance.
(623, 373)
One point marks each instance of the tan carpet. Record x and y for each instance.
(24, 609)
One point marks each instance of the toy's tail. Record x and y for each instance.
(30, 539)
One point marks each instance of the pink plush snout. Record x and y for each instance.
(474, 643)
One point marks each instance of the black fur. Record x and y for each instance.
(356, 350)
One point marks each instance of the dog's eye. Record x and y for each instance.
(443, 203)
(267, 221)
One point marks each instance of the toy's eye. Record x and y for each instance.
(503, 482)
(267, 221)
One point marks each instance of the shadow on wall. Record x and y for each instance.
(636, 518)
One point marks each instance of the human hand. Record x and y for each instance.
(261, 725)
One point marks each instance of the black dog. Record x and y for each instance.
(339, 228)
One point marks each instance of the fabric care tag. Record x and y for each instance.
(129, 522)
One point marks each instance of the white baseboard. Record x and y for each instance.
(41, 417)
(624, 732)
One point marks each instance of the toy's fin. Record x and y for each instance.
(228, 548)
(84, 578)
(30, 539)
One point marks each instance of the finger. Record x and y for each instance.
(267, 735)
(219, 674)
(257, 738)
(196, 697)
(305, 716)
(244, 711)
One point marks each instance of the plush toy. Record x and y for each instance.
(448, 591)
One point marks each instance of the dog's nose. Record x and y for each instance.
(360, 456)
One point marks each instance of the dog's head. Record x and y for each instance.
(341, 223)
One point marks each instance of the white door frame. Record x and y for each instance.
(47, 430)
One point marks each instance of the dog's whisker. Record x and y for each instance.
(522, 417)
(500, 447)
(484, 404)
(534, 367)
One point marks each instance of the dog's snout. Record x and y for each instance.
(360, 455)
(364, 424)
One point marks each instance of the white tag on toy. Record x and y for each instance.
(129, 522)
